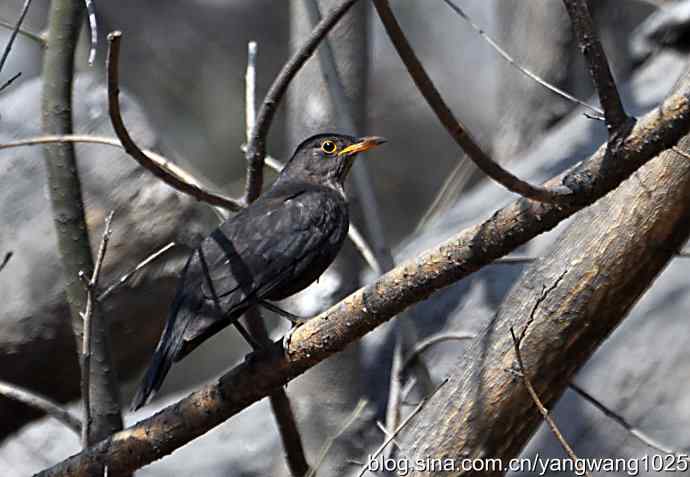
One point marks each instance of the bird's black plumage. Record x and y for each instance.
(270, 250)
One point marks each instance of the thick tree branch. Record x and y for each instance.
(256, 147)
(595, 56)
(369, 307)
(563, 307)
(66, 200)
(166, 174)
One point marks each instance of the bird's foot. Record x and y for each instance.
(288, 336)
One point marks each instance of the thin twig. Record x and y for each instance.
(5, 260)
(356, 413)
(400, 427)
(125, 278)
(93, 27)
(632, 430)
(363, 248)
(280, 403)
(7, 83)
(256, 146)
(542, 409)
(250, 90)
(423, 345)
(87, 316)
(41, 403)
(381, 427)
(30, 35)
(599, 69)
(15, 31)
(136, 153)
(598, 113)
(456, 129)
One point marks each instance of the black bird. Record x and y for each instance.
(270, 250)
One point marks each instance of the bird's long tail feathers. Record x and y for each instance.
(166, 352)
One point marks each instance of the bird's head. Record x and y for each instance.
(327, 158)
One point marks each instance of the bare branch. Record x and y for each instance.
(5, 260)
(42, 404)
(559, 194)
(598, 113)
(356, 413)
(537, 402)
(10, 42)
(30, 35)
(137, 154)
(125, 278)
(632, 430)
(88, 317)
(424, 345)
(369, 307)
(256, 146)
(15, 31)
(7, 83)
(598, 64)
(400, 427)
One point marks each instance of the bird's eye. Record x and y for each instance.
(328, 147)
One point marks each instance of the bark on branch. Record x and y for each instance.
(371, 306)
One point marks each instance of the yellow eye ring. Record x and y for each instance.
(329, 147)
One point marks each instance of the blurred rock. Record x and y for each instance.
(37, 349)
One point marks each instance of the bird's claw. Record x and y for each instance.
(288, 336)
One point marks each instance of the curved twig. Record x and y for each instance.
(542, 409)
(423, 345)
(558, 195)
(136, 153)
(42, 404)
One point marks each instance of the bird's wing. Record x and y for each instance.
(262, 249)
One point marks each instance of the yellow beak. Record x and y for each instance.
(362, 144)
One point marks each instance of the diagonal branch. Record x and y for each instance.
(533, 76)
(369, 307)
(165, 174)
(599, 69)
(8, 47)
(256, 147)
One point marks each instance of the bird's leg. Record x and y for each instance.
(294, 319)
(247, 337)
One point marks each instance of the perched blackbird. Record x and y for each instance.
(272, 249)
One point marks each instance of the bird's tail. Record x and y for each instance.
(167, 350)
